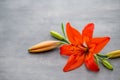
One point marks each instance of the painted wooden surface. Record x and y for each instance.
(24, 23)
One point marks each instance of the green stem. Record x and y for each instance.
(63, 31)
(96, 59)
(102, 55)
(65, 40)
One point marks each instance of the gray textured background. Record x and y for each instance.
(24, 23)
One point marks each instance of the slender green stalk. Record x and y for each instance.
(63, 31)
(102, 55)
(96, 59)
(65, 40)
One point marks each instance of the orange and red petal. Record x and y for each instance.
(97, 44)
(74, 62)
(90, 63)
(87, 32)
(66, 49)
(73, 35)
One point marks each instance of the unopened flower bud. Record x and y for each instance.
(113, 54)
(56, 35)
(44, 46)
(107, 64)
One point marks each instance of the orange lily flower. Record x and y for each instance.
(82, 48)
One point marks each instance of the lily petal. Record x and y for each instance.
(99, 43)
(90, 63)
(66, 49)
(74, 62)
(87, 32)
(73, 35)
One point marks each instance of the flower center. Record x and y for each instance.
(81, 48)
(86, 49)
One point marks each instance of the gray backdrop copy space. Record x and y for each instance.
(24, 23)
